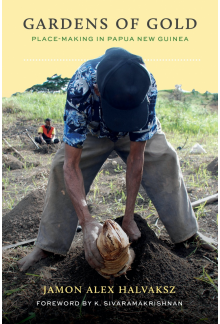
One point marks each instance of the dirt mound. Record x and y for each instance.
(155, 261)
(213, 166)
(22, 222)
(32, 164)
(9, 161)
(8, 150)
(154, 265)
(22, 144)
(48, 149)
(160, 274)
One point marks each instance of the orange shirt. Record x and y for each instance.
(43, 130)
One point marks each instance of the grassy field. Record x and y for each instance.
(194, 114)
(192, 119)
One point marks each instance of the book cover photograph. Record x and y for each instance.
(109, 162)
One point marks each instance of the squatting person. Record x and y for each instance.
(46, 133)
(110, 106)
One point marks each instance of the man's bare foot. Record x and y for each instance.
(36, 255)
(203, 241)
(131, 229)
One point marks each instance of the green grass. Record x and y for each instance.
(207, 279)
(36, 105)
(32, 315)
(187, 121)
(191, 115)
(80, 306)
(9, 292)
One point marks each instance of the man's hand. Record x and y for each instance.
(91, 230)
(42, 140)
(131, 229)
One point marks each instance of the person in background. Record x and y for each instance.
(46, 134)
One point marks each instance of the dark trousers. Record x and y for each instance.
(47, 140)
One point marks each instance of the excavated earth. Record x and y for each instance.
(19, 224)
(167, 283)
(161, 275)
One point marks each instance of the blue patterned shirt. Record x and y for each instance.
(83, 110)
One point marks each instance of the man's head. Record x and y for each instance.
(123, 83)
(48, 122)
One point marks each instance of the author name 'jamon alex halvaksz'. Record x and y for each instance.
(110, 289)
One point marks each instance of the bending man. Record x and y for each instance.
(111, 106)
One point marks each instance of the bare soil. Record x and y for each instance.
(213, 166)
(22, 222)
(158, 262)
(11, 162)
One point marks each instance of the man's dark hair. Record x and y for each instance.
(47, 119)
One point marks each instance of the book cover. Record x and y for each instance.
(44, 44)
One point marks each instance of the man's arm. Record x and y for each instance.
(41, 137)
(40, 133)
(75, 186)
(134, 172)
